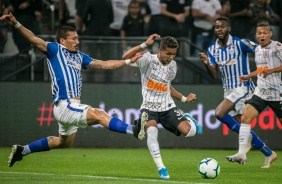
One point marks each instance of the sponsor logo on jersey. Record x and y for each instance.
(157, 86)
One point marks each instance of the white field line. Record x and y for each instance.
(99, 177)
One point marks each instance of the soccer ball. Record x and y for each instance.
(209, 168)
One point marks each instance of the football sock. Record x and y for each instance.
(192, 131)
(117, 125)
(244, 134)
(260, 145)
(153, 146)
(256, 142)
(230, 122)
(36, 146)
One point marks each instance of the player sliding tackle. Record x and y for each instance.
(65, 62)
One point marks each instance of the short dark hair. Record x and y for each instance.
(264, 24)
(168, 42)
(223, 18)
(62, 32)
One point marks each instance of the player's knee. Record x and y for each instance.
(245, 119)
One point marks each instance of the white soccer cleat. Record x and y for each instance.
(238, 157)
(268, 160)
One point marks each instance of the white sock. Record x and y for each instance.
(192, 131)
(153, 146)
(26, 150)
(129, 129)
(244, 134)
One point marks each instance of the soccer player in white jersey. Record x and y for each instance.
(230, 55)
(65, 62)
(268, 92)
(157, 72)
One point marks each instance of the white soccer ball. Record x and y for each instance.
(209, 168)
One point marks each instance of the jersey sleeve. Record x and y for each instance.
(85, 60)
(211, 58)
(52, 49)
(144, 60)
(278, 50)
(247, 45)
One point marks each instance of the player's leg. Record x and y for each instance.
(253, 108)
(276, 107)
(152, 142)
(97, 116)
(45, 144)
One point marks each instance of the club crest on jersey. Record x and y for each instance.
(265, 53)
(72, 60)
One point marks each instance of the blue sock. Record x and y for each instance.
(117, 125)
(231, 123)
(40, 145)
(256, 142)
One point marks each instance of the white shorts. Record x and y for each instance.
(70, 115)
(238, 96)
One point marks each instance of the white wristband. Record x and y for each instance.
(127, 61)
(17, 25)
(183, 99)
(143, 45)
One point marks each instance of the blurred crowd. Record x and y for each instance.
(193, 19)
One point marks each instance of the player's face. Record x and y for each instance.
(221, 29)
(167, 55)
(263, 35)
(71, 42)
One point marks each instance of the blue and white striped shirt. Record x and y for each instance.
(65, 70)
(233, 61)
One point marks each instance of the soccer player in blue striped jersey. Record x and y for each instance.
(230, 55)
(65, 62)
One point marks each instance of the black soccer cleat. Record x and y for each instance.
(139, 128)
(15, 155)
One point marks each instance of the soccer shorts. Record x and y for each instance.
(238, 96)
(260, 104)
(169, 119)
(71, 115)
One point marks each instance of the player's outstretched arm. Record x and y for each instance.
(134, 50)
(175, 94)
(113, 64)
(27, 34)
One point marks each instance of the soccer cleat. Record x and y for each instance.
(199, 129)
(238, 157)
(249, 144)
(139, 128)
(15, 155)
(268, 160)
(163, 173)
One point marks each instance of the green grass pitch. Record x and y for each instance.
(122, 166)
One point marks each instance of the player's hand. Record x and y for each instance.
(191, 97)
(9, 18)
(204, 58)
(137, 56)
(244, 78)
(266, 73)
(151, 39)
